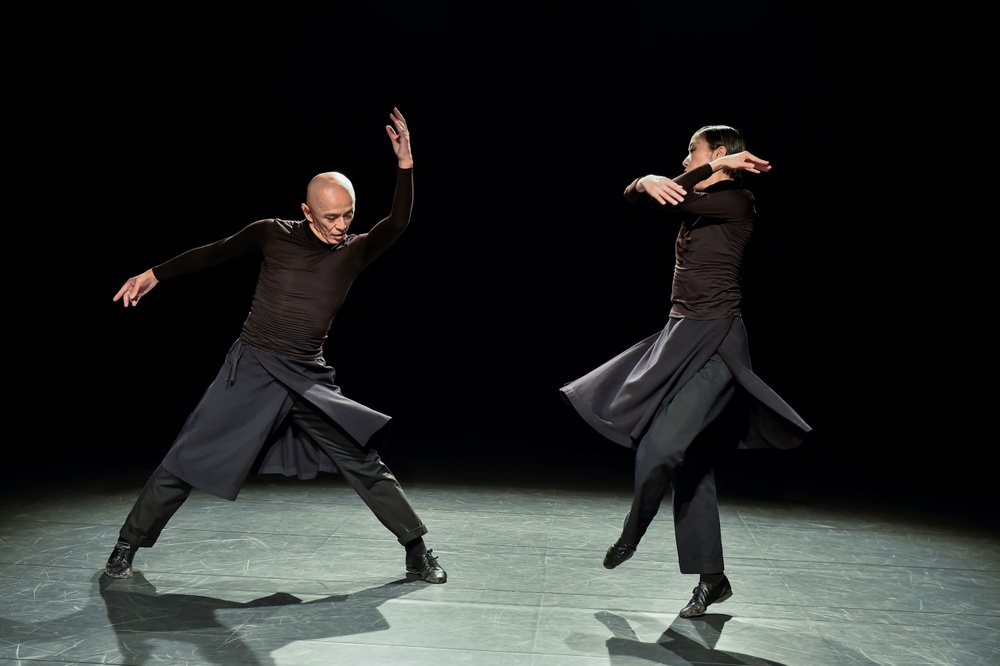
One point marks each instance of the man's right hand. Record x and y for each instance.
(400, 136)
(136, 287)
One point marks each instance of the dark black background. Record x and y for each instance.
(523, 267)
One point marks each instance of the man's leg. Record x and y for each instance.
(158, 501)
(378, 488)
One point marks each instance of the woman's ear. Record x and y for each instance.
(720, 152)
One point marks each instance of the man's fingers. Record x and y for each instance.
(128, 293)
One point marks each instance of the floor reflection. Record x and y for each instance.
(685, 641)
(217, 630)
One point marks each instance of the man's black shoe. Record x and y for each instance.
(618, 553)
(705, 595)
(426, 566)
(120, 563)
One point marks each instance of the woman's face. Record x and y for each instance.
(699, 152)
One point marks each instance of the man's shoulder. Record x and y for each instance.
(284, 225)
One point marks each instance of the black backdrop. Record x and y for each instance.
(523, 266)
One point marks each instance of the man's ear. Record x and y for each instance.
(306, 212)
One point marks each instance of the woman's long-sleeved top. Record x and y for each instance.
(620, 397)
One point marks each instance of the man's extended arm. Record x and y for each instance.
(385, 233)
(243, 242)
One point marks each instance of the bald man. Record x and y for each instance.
(274, 407)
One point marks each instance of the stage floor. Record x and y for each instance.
(300, 572)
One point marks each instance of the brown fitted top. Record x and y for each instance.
(303, 281)
(716, 224)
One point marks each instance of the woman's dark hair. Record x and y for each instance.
(724, 135)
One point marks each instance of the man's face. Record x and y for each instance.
(330, 214)
(699, 152)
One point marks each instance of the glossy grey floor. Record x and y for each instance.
(300, 572)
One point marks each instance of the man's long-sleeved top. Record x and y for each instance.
(303, 281)
(240, 424)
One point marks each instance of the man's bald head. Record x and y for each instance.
(329, 206)
(326, 184)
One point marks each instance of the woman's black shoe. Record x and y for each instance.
(705, 595)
